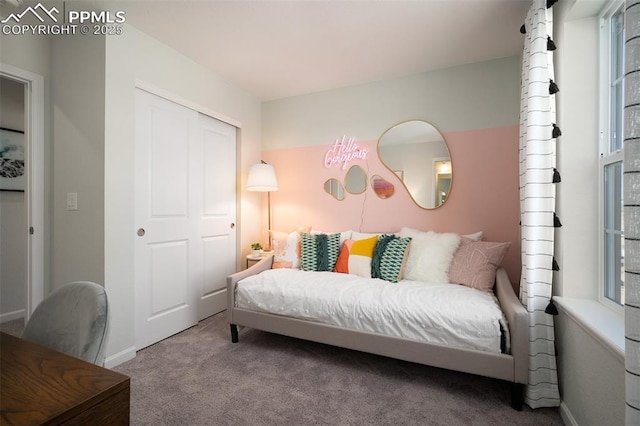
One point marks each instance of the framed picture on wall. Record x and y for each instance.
(12, 170)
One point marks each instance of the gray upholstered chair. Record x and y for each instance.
(74, 319)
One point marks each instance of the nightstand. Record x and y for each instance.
(251, 260)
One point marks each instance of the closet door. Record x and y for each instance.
(178, 219)
(217, 231)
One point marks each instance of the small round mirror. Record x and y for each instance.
(355, 181)
(334, 188)
(383, 188)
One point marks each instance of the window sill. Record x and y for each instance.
(603, 324)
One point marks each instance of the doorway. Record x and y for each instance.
(24, 281)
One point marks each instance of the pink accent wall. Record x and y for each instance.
(484, 194)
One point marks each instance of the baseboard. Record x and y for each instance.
(120, 357)
(10, 316)
(566, 415)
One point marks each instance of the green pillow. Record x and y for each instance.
(388, 257)
(319, 252)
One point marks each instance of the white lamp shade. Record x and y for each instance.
(262, 178)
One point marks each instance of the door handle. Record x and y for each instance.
(141, 232)
(233, 225)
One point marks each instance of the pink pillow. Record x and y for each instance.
(474, 264)
(286, 248)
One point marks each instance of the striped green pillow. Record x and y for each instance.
(389, 257)
(319, 252)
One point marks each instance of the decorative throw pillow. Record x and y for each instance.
(355, 235)
(286, 248)
(475, 262)
(344, 235)
(476, 236)
(319, 252)
(389, 257)
(430, 256)
(410, 232)
(355, 257)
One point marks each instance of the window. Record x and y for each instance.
(611, 155)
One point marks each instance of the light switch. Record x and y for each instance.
(72, 201)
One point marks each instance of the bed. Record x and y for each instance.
(287, 302)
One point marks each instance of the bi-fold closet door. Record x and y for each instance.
(185, 215)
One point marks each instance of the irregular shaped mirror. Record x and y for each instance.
(334, 187)
(418, 154)
(356, 180)
(382, 187)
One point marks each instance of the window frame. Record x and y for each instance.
(606, 157)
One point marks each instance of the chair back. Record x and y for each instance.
(74, 319)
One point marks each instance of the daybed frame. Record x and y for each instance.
(510, 367)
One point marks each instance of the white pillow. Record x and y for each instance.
(410, 232)
(476, 236)
(430, 255)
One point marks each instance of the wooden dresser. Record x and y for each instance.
(41, 386)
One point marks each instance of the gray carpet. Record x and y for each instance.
(13, 327)
(198, 377)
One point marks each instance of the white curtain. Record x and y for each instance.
(632, 210)
(538, 133)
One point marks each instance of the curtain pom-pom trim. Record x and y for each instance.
(551, 308)
(550, 44)
(556, 176)
(556, 221)
(553, 87)
(556, 132)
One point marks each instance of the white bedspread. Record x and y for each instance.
(446, 314)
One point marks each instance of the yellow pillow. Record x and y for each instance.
(355, 257)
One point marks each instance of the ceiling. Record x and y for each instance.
(276, 49)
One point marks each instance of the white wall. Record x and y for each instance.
(13, 216)
(591, 377)
(29, 52)
(450, 99)
(135, 57)
(77, 249)
(577, 194)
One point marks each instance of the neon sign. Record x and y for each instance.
(343, 152)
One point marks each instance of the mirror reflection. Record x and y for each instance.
(418, 154)
(383, 188)
(443, 181)
(334, 187)
(355, 181)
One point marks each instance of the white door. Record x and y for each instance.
(174, 218)
(217, 233)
